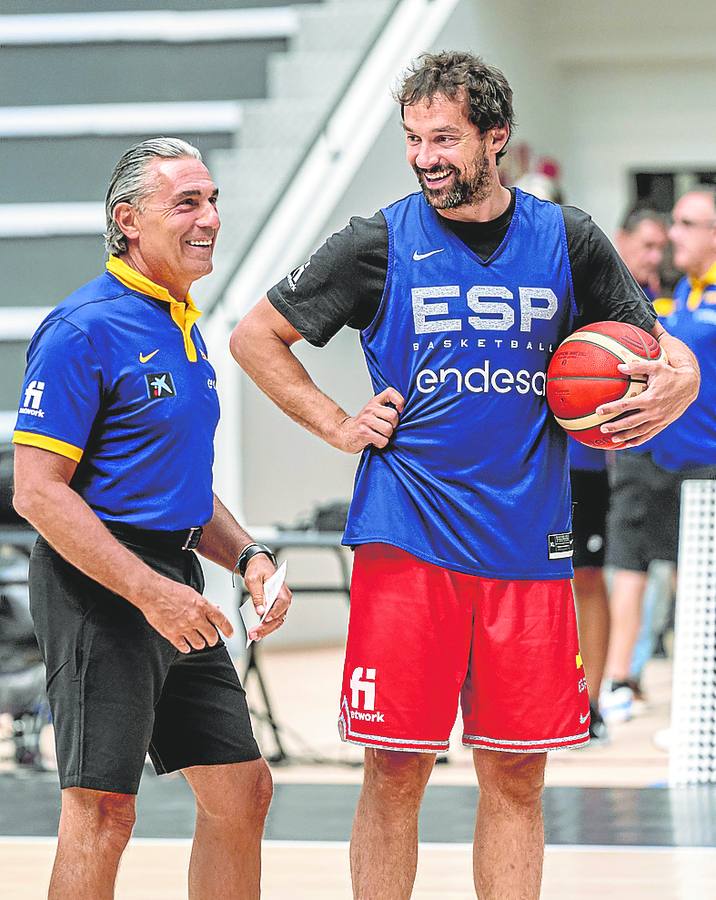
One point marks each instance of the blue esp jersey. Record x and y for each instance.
(476, 476)
(690, 441)
(118, 380)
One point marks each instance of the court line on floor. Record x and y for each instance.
(343, 845)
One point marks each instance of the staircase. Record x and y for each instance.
(248, 83)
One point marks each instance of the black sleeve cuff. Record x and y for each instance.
(292, 315)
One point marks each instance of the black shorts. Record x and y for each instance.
(643, 520)
(118, 689)
(590, 502)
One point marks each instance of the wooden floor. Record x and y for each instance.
(157, 871)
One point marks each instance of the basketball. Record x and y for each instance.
(583, 374)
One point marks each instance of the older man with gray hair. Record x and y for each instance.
(113, 466)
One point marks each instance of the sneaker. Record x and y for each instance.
(616, 702)
(598, 731)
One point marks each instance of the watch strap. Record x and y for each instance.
(248, 553)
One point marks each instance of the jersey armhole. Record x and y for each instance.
(370, 328)
(565, 247)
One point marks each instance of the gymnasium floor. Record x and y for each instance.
(613, 828)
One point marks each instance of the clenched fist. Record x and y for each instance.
(374, 424)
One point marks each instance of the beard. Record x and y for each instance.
(467, 188)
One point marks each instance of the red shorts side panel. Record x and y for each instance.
(526, 690)
(407, 651)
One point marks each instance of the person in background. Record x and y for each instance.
(644, 518)
(640, 240)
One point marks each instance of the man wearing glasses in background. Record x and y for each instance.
(686, 449)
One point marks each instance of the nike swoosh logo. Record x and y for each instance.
(583, 719)
(143, 358)
(418, 256)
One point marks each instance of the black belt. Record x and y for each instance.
(186, 539)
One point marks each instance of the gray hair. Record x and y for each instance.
(130, 183)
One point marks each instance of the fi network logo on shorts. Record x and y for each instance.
(363, 682)
(33, 398)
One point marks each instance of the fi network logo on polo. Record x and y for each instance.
(32, 399)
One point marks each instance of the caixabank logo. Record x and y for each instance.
(160, 385)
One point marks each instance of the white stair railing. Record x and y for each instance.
(336, 154)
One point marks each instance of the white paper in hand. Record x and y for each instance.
(247, 609)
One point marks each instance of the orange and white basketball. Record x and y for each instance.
(583, 374)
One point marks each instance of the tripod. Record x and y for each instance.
(280, 757)
(283, 541)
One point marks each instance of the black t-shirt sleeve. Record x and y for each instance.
(341, 284)
(604, 288)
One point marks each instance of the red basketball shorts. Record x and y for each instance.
(421, 637)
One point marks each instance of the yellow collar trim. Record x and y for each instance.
(698, 286)
(184, 315)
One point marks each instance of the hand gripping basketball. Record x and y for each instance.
(584, 374)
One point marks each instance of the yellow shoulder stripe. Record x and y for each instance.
(62, 448)
(664, 306)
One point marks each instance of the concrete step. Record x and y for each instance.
(250, 178)
(266, 123)
(12, 368)
(339, 25)
(148, 26)
(29, 7)
(53, 169)
(135, 72)
(309, 74)
(42, 271)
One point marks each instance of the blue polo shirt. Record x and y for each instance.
(690, 441)
(118, 380)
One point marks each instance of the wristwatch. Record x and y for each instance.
(248, 553)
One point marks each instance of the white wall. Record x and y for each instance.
(658, 122)
(639, 82)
